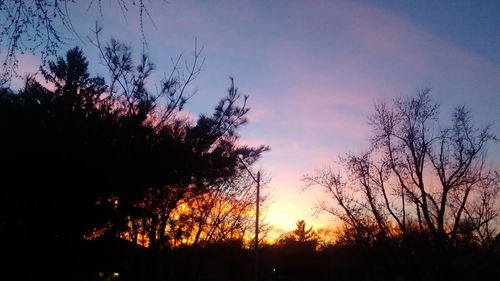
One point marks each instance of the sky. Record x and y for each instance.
(314, 69)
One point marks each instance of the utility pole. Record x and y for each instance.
(257, 205)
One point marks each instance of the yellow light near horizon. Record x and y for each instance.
(284, 216)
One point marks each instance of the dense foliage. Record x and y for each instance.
(83, 159)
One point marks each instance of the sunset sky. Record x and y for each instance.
(314, 69)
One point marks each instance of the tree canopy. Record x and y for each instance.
(83, 159)
(46, 26)
(422, 185)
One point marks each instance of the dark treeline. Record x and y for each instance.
(423, 196)
(85, 160)
(111, 181)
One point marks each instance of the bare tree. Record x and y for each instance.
(45, 26)
(224, 213)
(418, 175)
(128, 81)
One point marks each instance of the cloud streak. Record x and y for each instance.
(313, 70)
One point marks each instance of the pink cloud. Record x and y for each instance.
(252, 142)
(257, 113)
(399, 39)
(317, 94)
(29, 65)
(319, 67)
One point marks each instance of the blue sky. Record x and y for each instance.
(314, 69)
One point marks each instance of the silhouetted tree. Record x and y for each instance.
(84, 159)
(300, 238)
(222, 214)
(46, 26)
(301, 234)
(418, 176)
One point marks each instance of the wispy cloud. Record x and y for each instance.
(313, 70)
